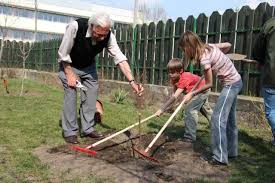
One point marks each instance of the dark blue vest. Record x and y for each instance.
(83, 52)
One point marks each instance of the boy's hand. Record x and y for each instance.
(188, 97)
(159, 112)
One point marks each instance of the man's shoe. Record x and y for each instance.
(94, 134)
(71, 139)
(216, 162)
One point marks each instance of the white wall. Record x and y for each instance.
(117, 15)
(23, 23)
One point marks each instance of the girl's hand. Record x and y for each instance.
(224, 47)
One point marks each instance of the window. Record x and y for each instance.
(20, 12)
(26, 13)
(55, 18)
(6, 10)
(29, 35)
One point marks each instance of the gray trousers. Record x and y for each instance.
(88, 78)
(198, 103)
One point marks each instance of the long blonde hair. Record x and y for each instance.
(192, 46)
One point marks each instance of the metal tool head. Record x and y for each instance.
(82, 149)
(145, 155)
(128, 133)
(81, 86)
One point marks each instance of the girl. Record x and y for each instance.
(211, 57)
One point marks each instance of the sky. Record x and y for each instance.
(173, 8)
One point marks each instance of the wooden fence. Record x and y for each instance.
(150, 47)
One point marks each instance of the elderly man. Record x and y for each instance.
(82, 41)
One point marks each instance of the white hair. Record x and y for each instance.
(101, 19)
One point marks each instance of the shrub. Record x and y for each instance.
(119, 96)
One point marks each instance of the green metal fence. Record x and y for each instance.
(150, 47)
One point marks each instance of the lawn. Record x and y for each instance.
(32, 120)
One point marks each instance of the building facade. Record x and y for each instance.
(19, 19)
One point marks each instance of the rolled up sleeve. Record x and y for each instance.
(67, 43)
(115, 51)
(205, 64)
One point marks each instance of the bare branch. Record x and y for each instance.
(152, 12)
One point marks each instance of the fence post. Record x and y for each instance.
(168, 48)
(159, 51)
(179, 29)
(134, 42)
(191, 26)
(151, 51)
(201, 28)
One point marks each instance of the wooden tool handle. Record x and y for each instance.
(171, 117)
(164, 127)
(119, 132)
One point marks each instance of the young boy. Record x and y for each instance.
(184, 82)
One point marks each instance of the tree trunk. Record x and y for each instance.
(23, 78)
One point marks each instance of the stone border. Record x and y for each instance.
(154, 92)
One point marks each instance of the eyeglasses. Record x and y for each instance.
(99, 35)
(100, 32)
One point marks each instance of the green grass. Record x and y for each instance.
(32, 120)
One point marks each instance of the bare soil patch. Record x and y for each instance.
(115, 159)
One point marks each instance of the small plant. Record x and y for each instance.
(120, 95)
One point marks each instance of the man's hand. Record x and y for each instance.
(138, 88)
(159, 112)
(125, 68)
(70, 75)
(71, 78)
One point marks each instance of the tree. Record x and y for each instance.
(152, 12)
(5, 22)
(25, 49)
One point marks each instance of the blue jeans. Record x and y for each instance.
(191, 114)
(269, 102)
(224, 131)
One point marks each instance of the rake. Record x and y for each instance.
(93, 152)
(145, 152)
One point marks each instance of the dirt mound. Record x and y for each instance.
(178, 162)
